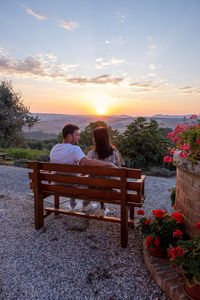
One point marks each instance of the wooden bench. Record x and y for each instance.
(124, 187)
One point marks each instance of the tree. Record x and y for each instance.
(143, 144)
(14, 115)
(87, 133)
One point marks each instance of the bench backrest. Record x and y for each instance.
(120, 183)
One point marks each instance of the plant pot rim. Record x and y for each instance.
(189, 166)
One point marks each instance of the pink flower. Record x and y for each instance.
(198, 140)
(193, 116)
(167, 159)
(181, 155)
(176, 139)
(185, 147)
(170, 135)
(186, 154)
(172, 151)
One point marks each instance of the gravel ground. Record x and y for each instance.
(71, 258)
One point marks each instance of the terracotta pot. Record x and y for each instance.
(192, 292)
(157, 251)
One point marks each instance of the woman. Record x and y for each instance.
(104, 150)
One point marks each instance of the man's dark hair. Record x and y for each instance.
(69, 129)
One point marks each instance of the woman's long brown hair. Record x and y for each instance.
(103, 145)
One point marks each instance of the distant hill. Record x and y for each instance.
(51, 124)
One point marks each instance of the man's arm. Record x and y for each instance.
(95, 162)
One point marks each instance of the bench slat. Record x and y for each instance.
(79, 214)
(101, 171)
(88, 181)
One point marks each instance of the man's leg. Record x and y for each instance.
(73, 203)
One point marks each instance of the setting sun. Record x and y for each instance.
(101, 110)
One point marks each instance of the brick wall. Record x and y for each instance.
(188, 198)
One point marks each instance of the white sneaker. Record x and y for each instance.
(103, 212)
(88, 207)
(72, 209)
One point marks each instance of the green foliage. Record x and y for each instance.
(143, 144)
(86, 135)
(13, 116)
(160, 226)
(189, 261)
(21, 153)
(21, 163)
(173, 196)
(39, 144)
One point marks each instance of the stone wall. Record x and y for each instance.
(188, 197)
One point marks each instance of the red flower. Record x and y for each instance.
(175, 252)
(185, 147)
(156, 241)
(178, 217)
(197, 225)
(148, 240)
(174, 207)
(181, 155)
(193, 117)
(198, 140)
(172, 151)
(140, 212)
(178, 234)
(167, 159)
(159, 213)
(170, 135)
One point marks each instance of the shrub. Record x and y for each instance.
(22, 163)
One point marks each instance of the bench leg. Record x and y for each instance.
(56, 203)
(38, 209)
(124, 226)
(132, 216)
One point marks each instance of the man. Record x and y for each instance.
(70, 153)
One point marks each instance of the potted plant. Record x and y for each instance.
(186, 256)
(161, 230)
(186, 139)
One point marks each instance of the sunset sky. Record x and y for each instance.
(134, 57)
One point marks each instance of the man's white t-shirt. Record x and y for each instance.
(66, 154)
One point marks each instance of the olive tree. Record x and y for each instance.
(14, 115)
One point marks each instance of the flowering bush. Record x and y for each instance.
(187, 257)
(186, 138)
(162, 229)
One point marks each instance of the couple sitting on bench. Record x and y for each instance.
(104, 154)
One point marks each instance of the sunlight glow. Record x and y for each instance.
(101, 110)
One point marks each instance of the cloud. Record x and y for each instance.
(152, 67)
(103, 79)
(102, 63)
(122, 17)
(186, 90)
(36, 13)
(45, 66)
(145, 86)
(141, 84)
(68, 25)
